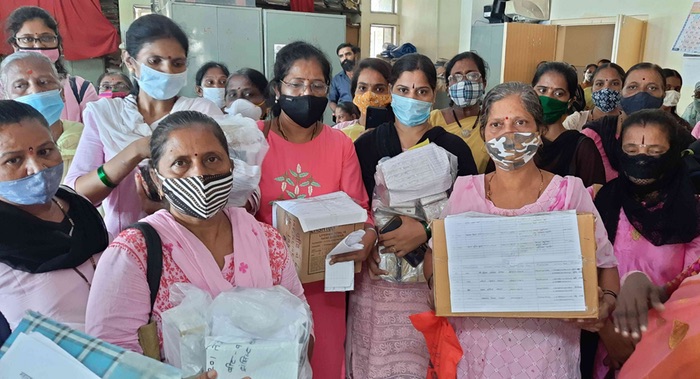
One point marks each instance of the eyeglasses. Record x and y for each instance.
(298, 87)
(45, 40)
(119, 87)
(473, 76)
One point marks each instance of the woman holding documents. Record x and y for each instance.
(50, 237)
(512, 124)
(204, 243)
(382, 341)
(650, 212)
(308, 158)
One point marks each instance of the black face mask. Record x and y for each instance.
(347, 65)
(642, 166)
(304, 110)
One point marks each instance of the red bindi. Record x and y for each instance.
(195, 154)
(31, 149)
(30, 72)
(506, 117)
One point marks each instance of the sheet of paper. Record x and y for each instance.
(417, 173)
(253, 359)
(35, 356)
(340, 277)
(527, 263)
(323, 211)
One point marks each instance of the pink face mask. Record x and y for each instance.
(113, 95)
(52, 54)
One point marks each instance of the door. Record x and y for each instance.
(526, 46)
(630, 37)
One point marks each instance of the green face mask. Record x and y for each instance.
(553, 109)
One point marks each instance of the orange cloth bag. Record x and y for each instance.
(443, 345)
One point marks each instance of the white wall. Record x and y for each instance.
(665, 19)
(433, 26)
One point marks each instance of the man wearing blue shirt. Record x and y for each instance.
(340, 85)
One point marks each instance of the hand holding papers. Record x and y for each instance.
(341, 275)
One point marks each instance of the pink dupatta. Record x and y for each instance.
(250, 250)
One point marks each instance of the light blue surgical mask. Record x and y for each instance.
(410, 112)
(159, 85)
(35, 189)
(49, 104)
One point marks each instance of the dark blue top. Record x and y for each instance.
(340, 88)
(4, 329)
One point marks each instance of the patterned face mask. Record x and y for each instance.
(198, 196)
(371, 99)
(466, 93)
(606, 99)
(39, 188)
(513, 150)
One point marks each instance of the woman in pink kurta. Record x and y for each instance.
(307, 158)
(651, 212)
(382, 341)
(50, 237)
(117, 131)
(509, 347)
(203, 243)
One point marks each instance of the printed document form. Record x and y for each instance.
(529, 263)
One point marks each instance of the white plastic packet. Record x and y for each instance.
(254, 332)
(184, 328)
(247, 147)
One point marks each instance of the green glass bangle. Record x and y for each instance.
(428, 232)
(103, 177)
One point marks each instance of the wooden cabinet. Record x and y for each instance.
(513, 50)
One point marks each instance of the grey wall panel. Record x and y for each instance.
(231, 35)
(198, 22)
(487, 41)
(324, 31)
(240, 37)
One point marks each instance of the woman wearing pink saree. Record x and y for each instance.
(671, 331)
(204, 243)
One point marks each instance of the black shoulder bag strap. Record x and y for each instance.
(154, 259)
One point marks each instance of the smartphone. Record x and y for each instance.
(415, 257)
(392, 225)
(152, 192)
(376, 116)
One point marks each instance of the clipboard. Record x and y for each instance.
(441, 285)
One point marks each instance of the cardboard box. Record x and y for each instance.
(441, 281)
(313, 227)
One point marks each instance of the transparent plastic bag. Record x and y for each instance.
(184, 328)
(423, 207)
(247, 147)
(251, 331)
(254, 324)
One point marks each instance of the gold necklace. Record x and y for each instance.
(70, 220)
(279, 127)
(539, 192)
(70, 234)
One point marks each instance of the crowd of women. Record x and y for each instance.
(620, 160)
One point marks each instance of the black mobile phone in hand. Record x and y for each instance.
(152, 191)
(415, 257)
(376, 116)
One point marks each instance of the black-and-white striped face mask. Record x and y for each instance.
(198, 196)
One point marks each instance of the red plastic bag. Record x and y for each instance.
(443, 345)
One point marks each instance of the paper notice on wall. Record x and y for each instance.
(688, 40)
(278, 47)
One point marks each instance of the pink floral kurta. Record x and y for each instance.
(511, 348)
